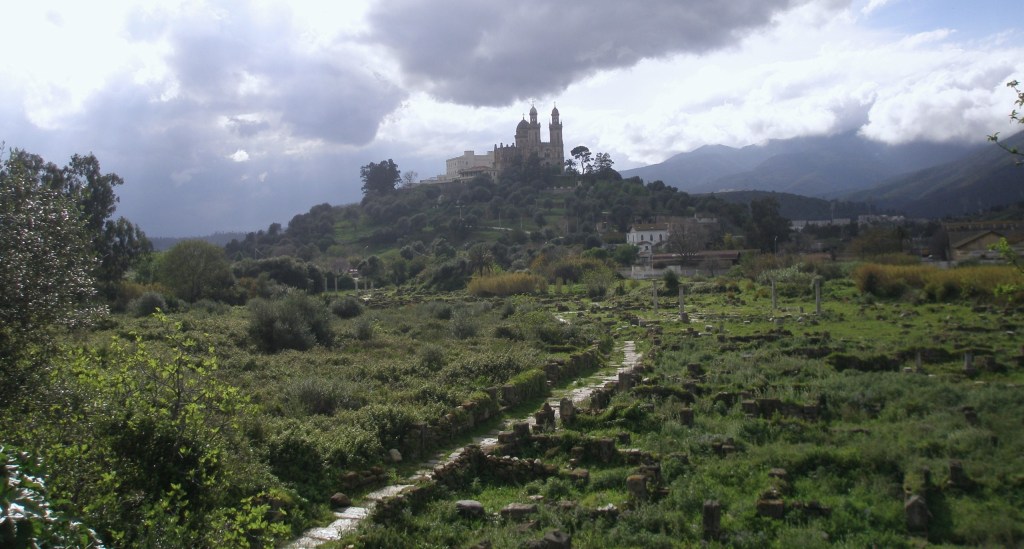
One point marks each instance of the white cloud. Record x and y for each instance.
(239, 156)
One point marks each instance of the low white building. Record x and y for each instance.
(468, 164)
(648, 235)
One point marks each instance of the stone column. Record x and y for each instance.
(654, 294)
(817, 295)
(712, 519)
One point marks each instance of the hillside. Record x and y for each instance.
(794, 206)
(823, 166)
(985, 179)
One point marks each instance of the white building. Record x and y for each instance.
(647, 235)
(469, 162)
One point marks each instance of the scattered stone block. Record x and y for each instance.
(580, 476)
(394, 455)
(557, 539)
(339, 500)
(636, 485)
(958, 477)
(469, 508)
(567, 411)
(521, 430)
(686, 417)
(518, 511)
(606, 450)
(917, 514)
(771, 508)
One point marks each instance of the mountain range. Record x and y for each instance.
(921, 179)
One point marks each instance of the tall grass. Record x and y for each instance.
(506, 284)
(938, 284)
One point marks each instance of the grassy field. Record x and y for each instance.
(828, 427)
(221, 426)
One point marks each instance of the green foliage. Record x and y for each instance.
(194, 269)
(463, 324)
(28, 517)
(379, 178)
(296, 322)
(363, 329)
(46, 269)
(147, 304)
(347, 307)
(143, 441)
(288, 271)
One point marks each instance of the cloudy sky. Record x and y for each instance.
(231, 115)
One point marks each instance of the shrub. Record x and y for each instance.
(147, 304)
(347, 307)
(439, 310)
(317, 396)
(432, 357)
(463, 325)
(295, 322)
(363, 329)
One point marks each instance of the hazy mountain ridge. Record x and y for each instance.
(822, 166)
(161, 243)
(985, 178)
(795, 206)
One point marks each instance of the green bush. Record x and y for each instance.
(318, 396)
(147, 304)
(463, 324)
(363, 329)
(296, 322)
(347, 307)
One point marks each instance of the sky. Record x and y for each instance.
(232, 115)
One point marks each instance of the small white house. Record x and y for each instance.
(647, 235)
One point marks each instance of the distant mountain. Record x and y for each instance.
(794, 206)
(984, 179)
(822, 166)
(161, 243)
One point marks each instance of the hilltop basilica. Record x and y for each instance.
(527, 142)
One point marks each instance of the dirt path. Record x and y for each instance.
(348, 519)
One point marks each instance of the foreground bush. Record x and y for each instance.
(506, 284)
(296, 322)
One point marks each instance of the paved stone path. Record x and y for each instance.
(348, 519)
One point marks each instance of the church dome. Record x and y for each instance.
(533, 110)
(522, 128)
(554, 112)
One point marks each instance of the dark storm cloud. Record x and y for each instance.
(239, 61)
(235, 80)
(493, 53)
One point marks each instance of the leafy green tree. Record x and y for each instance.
(45, 268)
(118, 244)
(767, 227)
(603, 166)
(194, 269)
(582, 155)
(625, 254)
(379, 178)
(480, 258)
